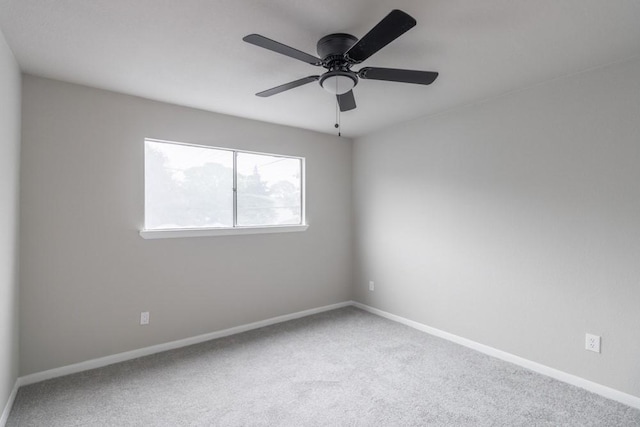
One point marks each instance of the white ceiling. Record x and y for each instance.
(190, 52)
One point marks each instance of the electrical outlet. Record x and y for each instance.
(371, 285)
(592, 343)
(144, 318)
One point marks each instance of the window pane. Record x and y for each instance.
(187, 186)
(268, 190)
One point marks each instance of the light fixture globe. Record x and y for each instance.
(338, 82)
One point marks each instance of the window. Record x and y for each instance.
(189, 187)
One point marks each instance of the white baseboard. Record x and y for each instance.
(9, 405)
(596, 388)
(146, 351)
(600, 389)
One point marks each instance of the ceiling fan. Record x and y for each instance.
(339, 52)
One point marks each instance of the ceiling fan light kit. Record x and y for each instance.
(339, 52)
(338, 82)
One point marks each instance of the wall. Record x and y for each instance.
(87, 274)
(9, 165)
(514, 223)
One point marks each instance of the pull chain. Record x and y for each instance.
(337, 125)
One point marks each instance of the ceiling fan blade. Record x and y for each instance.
(397, 75)
(346, 101)
(287, 86)
(283, 49)
(390, 28)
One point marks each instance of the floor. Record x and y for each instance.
(345, 367)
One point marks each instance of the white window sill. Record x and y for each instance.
(204, 232)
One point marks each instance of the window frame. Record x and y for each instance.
(235, 229)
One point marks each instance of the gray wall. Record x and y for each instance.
(514, 223)
(87, 274)
(9, 165)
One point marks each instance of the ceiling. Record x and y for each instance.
(191, 53)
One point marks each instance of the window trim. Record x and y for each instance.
(169, 233)
(234, 229)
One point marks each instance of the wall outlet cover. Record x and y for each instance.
(144, 318)
(592, 343)
(371, 285)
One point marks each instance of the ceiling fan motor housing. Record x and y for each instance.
(335, 45)
(331, 48)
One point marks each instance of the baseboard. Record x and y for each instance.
(146, 351)
(9, 405)
(591, 386)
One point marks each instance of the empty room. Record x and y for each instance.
(297, 213)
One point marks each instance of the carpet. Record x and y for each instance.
(345, 367)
